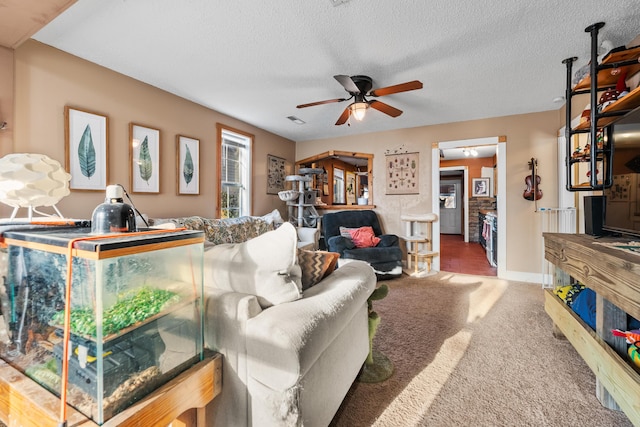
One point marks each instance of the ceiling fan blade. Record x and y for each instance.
(343, 117)
(328, 101)
(385, 108)
(402, 87)
(347, 83)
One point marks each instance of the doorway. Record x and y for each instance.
(499, 145)
(451, 206)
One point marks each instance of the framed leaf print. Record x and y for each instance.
(188, 164)
(144, 154)
(86, 149)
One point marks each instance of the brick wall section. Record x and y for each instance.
(476, 204)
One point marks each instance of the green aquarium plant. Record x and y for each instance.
(132, 307)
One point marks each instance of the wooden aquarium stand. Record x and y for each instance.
(614, 275)
(181, 401)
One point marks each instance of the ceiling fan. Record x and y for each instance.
(359, 87)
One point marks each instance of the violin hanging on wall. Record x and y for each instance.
(533, 192)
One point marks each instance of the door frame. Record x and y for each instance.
(465, 199)
(501, 199)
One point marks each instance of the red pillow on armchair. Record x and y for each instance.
(364, 237)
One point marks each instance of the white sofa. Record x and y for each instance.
(289, 356)
(293, 363)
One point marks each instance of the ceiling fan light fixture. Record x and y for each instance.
(358, 110)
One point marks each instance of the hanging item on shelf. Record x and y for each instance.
(533, 192)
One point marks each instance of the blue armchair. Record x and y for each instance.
(385, 257)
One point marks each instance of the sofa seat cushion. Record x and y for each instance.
(265, 266)
(284, 341)
(375, 255)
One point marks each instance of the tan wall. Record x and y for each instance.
(48, 79)
(6, 100)
(528, 135)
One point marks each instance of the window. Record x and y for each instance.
(234, 185)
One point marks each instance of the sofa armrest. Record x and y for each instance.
(285, 340)
(387, 240)
(226, 313)
(339, 244)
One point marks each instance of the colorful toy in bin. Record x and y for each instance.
(632, 336)
(634, 355)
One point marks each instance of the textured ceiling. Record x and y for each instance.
(257, 60)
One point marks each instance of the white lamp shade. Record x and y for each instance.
(32, 180)
(359, 109)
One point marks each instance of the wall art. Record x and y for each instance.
(86, 149)
(402, 172)
(276, 174)
(480, 187)
(144, 155)
(188, 165)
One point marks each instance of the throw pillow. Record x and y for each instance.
(346, 232)
(316, 265)
(265, 266)
(364, 237)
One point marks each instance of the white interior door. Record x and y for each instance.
(451, 206)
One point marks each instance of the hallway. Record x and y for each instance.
(456, 256)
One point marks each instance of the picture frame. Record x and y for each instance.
(403, 173)
(480, 187)
(86, 149)
(144, 157)
(187, 165)
(276, 174)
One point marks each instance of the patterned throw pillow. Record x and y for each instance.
(316, 265)
(364, 237)
(346, 232)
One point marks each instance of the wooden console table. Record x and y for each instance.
(180, 402)
(615, 277)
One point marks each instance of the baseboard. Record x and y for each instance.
(523, 276)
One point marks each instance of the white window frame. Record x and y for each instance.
(228, 136)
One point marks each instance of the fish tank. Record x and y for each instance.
(135, 319)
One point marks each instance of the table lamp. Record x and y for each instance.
(32, 180)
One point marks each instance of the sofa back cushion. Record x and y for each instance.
(228, 230)
(265, 266)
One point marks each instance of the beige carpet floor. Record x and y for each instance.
(473, 351)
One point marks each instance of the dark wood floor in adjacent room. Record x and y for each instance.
(456, 256)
